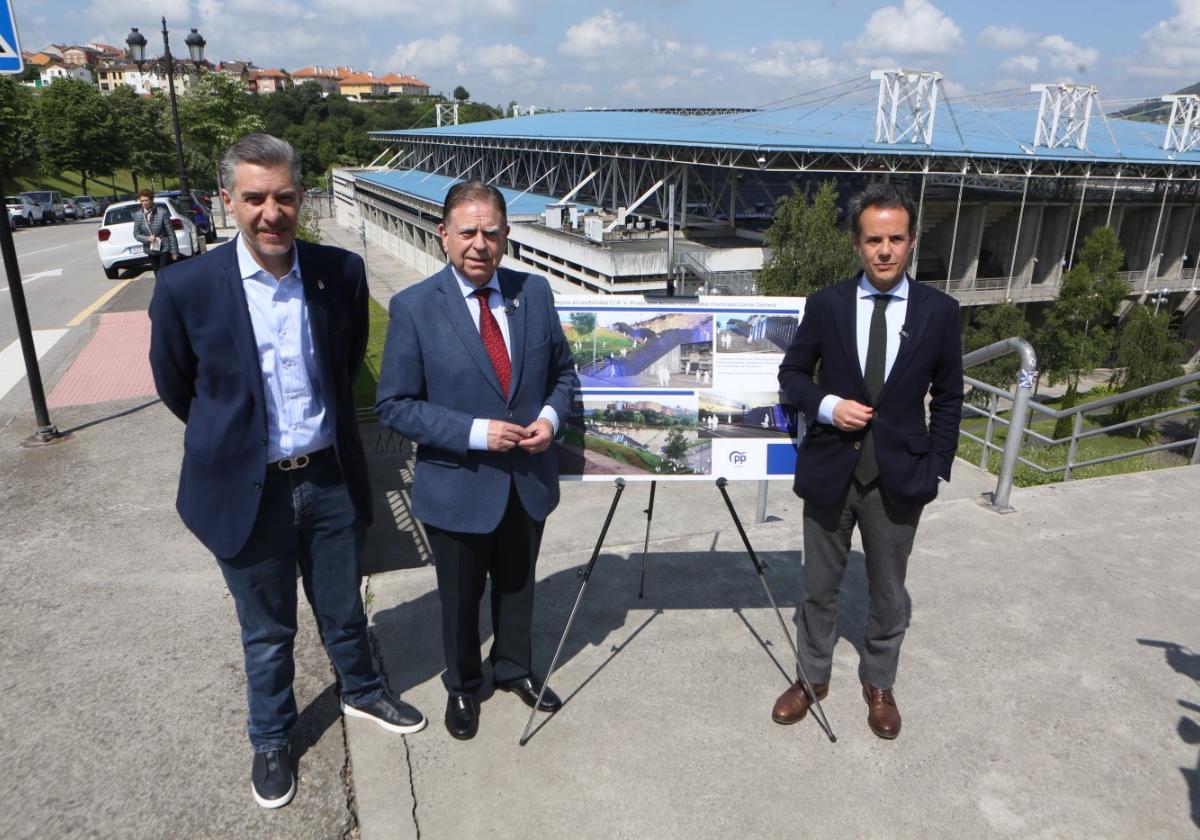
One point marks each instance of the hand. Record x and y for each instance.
(174, 257)
(850, 415)
(503, 437)
(540, 434)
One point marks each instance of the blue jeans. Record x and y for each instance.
(306, 520)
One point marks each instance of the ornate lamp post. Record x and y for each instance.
(136, 42)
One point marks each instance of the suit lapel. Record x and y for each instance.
(845, 321)
(240, 326)
(517, 313)
(317, 306)
(916, 318)
(454, 305)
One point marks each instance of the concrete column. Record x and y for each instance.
(970, 235)
(1052, 244)
(1173, 240)
(1031, 232)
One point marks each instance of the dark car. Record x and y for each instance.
(201, 212)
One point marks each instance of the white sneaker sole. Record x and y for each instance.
(350, 711)
(271, 804)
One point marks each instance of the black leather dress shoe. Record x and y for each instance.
(462, 717)
(527, 688)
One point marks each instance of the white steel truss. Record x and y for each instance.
(907, 105)
(1064, 113)
(1183, 129)
(447, 113)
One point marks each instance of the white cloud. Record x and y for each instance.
(1170, 46)
(506, 63)
(425, 54)
(800, 61)
(1067, 55)
(605, 33)
(1020, 65)
(917, 28)
(1005, 38)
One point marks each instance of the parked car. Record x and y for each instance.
(70, 210)
(86, 205)
(119, 251)
(22, 212)
(201, 212)
(51, 203)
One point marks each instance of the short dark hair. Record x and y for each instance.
(144, 194)
(473, 190)
(882, 196)
(260, 150)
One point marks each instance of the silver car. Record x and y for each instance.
(22, 212)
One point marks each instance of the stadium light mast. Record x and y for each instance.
(1064, 114)
(1183, 129)
(907, 105)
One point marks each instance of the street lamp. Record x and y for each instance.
(136, 42)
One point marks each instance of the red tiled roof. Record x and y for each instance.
(362, 79)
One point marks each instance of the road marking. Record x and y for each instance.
(12, 361)
(44, 250)
(38, 275)
(100, 301)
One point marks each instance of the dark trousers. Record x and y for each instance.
(464, 562)
(306, 522)
(159, 260)
(887, 537)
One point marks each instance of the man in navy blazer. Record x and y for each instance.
(867, 353)
(255, 347)
(477, 372)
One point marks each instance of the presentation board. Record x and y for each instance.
(678, 388)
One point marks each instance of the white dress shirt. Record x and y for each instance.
(896, 312)
(297, 422)
(479, 426)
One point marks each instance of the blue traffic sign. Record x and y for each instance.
(10, 49)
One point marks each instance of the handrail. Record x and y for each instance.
(1018, 422)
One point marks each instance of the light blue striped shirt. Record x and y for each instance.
(297, 422)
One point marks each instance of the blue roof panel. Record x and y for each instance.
(960, 128)
(433, 188)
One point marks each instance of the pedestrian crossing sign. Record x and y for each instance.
(10, 49)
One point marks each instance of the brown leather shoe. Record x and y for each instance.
(883, 717)
(792, 705)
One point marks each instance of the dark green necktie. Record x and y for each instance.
(867, 469)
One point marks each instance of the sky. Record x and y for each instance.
(622, 53)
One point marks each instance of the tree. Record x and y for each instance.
(1147, 353)
(582, 323)
(213, 113)
(461, 94)
(808, 251)
(16, 130)
(989, 325)
(676, 445)
(1078, 333)
(145, 147)
(75, 129)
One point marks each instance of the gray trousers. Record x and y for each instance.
(887, 536)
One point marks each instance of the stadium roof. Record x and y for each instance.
(960, 129)
(433, 188)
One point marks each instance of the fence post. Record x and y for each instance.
(1076, 428)
(993, 408)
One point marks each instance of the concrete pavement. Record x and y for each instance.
(1050, 681)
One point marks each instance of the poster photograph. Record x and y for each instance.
(677, 388)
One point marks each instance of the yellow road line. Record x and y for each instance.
(100, 301)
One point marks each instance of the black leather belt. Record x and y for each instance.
(299, 462)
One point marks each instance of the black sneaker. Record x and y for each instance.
(272, 780)
(393, 715)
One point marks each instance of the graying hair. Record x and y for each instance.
(260, 150)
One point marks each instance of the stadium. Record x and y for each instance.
(615, 201)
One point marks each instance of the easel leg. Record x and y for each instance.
(649, 511)
(584, 575)
(818, 712)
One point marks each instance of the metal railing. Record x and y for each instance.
(1021, 406)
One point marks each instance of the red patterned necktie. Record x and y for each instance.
(493, 339)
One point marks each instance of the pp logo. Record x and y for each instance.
(737, 458)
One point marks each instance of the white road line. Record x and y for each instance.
(38, 275)
(44, 250)
(12, 362)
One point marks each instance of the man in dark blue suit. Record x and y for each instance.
(883, 342)
(477, 372)
(255, 347)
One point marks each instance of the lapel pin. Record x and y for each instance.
(511, 307)
(903, 333)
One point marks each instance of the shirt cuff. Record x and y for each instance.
(548, 413)
(479, 433)
(825, 409)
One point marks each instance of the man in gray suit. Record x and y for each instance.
(477, 372)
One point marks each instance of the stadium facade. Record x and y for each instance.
(611, 201)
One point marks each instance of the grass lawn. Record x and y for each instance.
(598, 344)
(70, 184)
(368, 378)
(1056, 455)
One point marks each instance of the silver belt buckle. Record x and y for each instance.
(297, 463)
